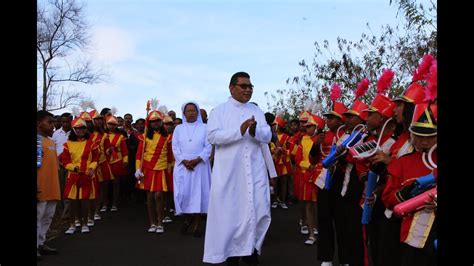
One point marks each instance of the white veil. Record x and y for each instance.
(199, 117)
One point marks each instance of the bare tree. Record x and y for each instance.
(61, 34)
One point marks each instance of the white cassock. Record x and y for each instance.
(191, 188)
(239, 201)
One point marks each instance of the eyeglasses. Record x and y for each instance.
(245, 86)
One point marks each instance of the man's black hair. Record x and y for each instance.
(68, 115)
(41, 114)
(269, 117)
(104, 111)
(233, 79)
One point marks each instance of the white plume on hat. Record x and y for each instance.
(75, 111)
(113, 110)
(308, 105)
(163, 109)
(84, 104)
(316, 107)
(154, 103)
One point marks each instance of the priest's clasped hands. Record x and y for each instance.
(251, 124)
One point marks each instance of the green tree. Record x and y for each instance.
(397, 48)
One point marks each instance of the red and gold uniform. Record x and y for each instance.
(283, 162)
(308, 172)
(119, 157)
(156, 154)
(306, 175)
(83, 154)
(104, 172)
(292, 148)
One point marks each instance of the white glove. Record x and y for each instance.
(138, 174)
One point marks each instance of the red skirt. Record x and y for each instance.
(118, 169)
(154, 180)
(283, 169)
(79, 187)
(104, 172)
(307, 187)
(296, 182)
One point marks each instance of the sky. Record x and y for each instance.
(179, 50)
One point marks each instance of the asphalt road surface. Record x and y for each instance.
(121, 238)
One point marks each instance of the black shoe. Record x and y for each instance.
(197, 233)
(184, 228)
(45, 250)
(232, 261)
(251, 260)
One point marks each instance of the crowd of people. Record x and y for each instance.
(364, 175)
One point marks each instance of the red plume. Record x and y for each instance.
(385, 81)
(335, 92)
(431, 90)
(423, 68)
(362, 87)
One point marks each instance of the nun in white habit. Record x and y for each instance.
(192, 170)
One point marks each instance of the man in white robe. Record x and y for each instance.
(239, 201)
(192, 170)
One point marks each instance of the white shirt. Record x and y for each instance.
(60, 137)
(239, 201)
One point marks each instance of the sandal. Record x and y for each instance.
(97, 217)
(70, 230)
(152, 229)
(160, 229)
(304, 230)
(90, 222)
(310, 241)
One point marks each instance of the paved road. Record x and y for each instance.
(121, 239)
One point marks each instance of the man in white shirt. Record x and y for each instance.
(239, 201)
(61, 135)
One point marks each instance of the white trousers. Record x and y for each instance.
(44, 215)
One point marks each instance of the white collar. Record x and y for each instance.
(62, 130)
(236, 103)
